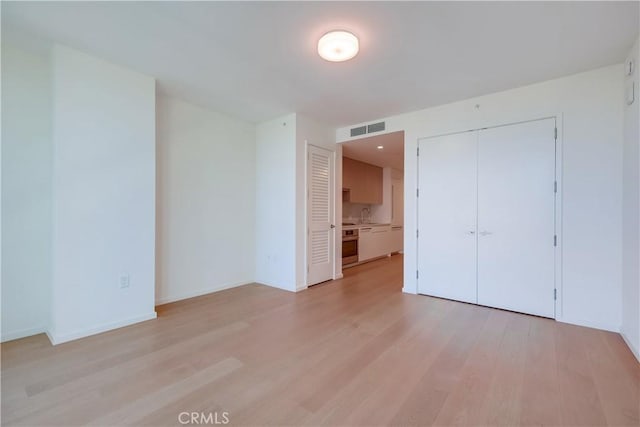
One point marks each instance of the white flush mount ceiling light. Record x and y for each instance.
(380, 147)
(338, 46)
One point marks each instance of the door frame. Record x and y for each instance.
(558, 117)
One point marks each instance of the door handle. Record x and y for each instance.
(333, 226)
(471, 232)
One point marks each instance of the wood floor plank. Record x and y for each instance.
(136, 410)
(355, 351)
(75, 392)
(464, 405)
(618, 392)
(504, 399)
(376, 395)
(541, 390)
(581, 404)
(428, 397)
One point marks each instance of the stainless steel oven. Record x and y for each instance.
(349, 247)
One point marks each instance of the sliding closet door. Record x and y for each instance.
(447, 216)
(516, 174)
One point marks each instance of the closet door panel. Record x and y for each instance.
(447, 216)
(516, 214)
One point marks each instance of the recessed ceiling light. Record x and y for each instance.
(338, 46)
(380, 147)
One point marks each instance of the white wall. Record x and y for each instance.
(631, 213)
(103, 195)
(281, 210)
(26, 192)
(590, 293)
(276, 203)
(205, 201)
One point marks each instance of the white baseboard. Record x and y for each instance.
(23, 333)
(173, 298)
(59, 339)
(273, 285)
(635, 351)
(50, 336)
(303, 287)
(408, 291)
(589, 324)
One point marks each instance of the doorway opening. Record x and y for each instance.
(372, 198)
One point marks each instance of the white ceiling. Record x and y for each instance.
(257, 60)
(366, 150)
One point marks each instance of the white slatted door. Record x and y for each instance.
(516, 211)
(321, 237)
(447, 216)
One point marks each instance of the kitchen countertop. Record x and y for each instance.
(359, 226)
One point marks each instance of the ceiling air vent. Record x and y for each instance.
(375, 127)
(359, 131)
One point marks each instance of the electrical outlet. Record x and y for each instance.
(124, 281)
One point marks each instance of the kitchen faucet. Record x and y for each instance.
(365, 216)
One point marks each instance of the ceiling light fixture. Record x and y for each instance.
(338, 46)
(380, 147)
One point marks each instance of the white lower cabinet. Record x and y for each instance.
(381, 239)
(365, 244)
(377, 241)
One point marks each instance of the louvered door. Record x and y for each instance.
(321, 234)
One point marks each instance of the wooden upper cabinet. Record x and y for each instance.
(361, 182)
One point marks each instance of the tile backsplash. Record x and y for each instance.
(351, 212)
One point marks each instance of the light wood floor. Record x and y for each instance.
(352, 352)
